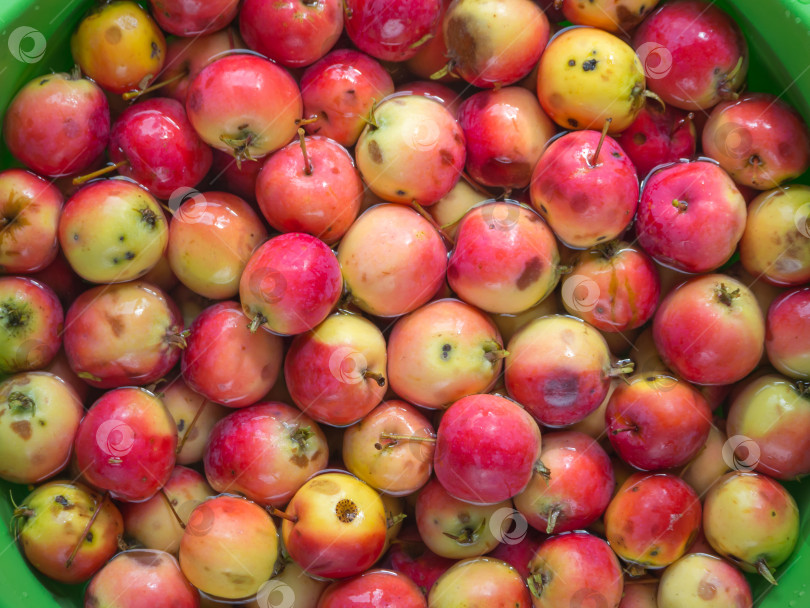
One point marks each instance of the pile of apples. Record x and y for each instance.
(405, 303)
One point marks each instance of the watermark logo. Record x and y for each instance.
(115, 438)
(422, 136)
(27, 44)
(275, 594)
(348, 365)
(733, 140)
(267, 285)
(501, 216)
(656, 60)
(188, 205)
(31, 354)
(741, 453)
(200, 519)
(580, 293)
(508, 526)
(588, 598)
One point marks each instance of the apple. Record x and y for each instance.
(481, 581)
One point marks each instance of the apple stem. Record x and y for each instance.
(421, 210)
(370, 120)
(256, 322)
(765, 571)
(650, 95)
(190, 426)
(446, 70)
(306, 121)
(496, 355)
(724, 89)
(282, 514)
(376, 376)
(592, 162)
(78, 181)
(171, 508)
(633, 429)
(725, 295)
(682, 121)
(552, 519)
(241, 147)
(542, 470)
(622, 367)
(86, 530)
(302, 141)
(421, 41)
(133, 94)
(393, 439)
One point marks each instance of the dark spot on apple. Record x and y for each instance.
(446, 156)
(129, 255)
(243, 126)
(641, 9)
(589, 65)
(639, 139)
(121, 238)
(627, 18)
(194, 101)
(181, 424)
(113, 34)
(773, 513)
(562, 390)
(238, 579)
(543, 209)
(580, 202)
(460, 40)
(573, 122)
(400, 192)
(531, 272)
(446, 348)
(155, 50)
(300, 460)
(89, 537)
(41, 422)
(115, 323)
(22, 428)
(616, 154)
(61, 500)
(335, 170)
(634, 489)
(572, 62)
(350, 91)
(43, 81)
(90, 601)
(654, 552)
(601, 238)
(457, 138)
(374, 151)
(75, 236)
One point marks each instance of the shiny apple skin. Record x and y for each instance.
(265, 452)
(580, 485)
(658, 136)
(141, 578)
(695, 54)
(400, 468)
(788, 321)
(323, 202)
(326, 539)
(701, 231)
(759, 139)
(564, 182)
(57, 124)
(123, 334)
(772, 415)
(340, 90)
(293, 33)
(668, 421)
(160, 147)
(30, 207)
(371, 588)
(392, 30)
(438, 354)
(191, 18)
(227, 363)
(730, 348)
(290, 284)
(579, 569)
(653, 519)
(393, 260)
(125, 444)
(506, 132)
(486, 449)
(479, 582)
(558, 368)
(505, 259)
(614, 287)
(327, 369)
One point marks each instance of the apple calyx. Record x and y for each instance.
(346, 510)
(83, 536)
(20, 403)
(608, 250)
(537, 581)
(256, 322)
(725, 295)
(468, 536)
(593, 162)
(494, 352)
(680, 205)
(241, 146)
(765, 571)
(393, 520)
(301, 435)
(553, 514)
(635, 570)
(542, 470)
(178, 338)
(802, 388)
(724, 87)
(78, 181)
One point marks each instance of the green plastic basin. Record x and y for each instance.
(35, 40)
